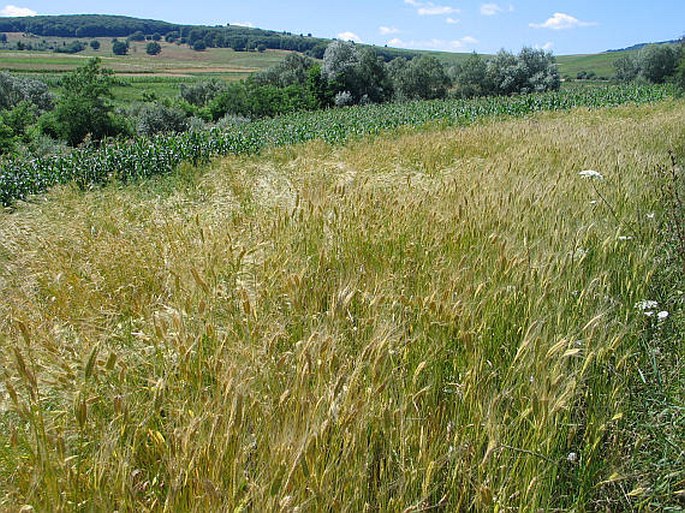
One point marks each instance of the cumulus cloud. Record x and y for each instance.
(388, 30)
(452, 21)
(349, 36)
(434, 44)
(13, 10)
(562, 21)
(431, 9)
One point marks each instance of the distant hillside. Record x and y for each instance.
(236, 37)
(639, 46)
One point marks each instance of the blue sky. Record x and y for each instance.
(485, 26)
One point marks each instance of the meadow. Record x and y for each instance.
(364, 315)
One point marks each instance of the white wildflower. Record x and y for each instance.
(663, 315)
(572, 457)
(625, 237)
(591, 173)
(651, 215)
(646, 304)
(580, 253)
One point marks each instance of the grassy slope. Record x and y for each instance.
(424, 319)
(602, 63)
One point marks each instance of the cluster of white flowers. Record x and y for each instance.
(591, 173)
(650, 307)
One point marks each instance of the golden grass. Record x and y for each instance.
(417, 322)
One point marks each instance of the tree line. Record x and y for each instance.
(33, 118)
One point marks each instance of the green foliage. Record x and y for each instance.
(119, 47)
(531, 71)
(153, 48)
(138, 35)
(14, 90)
(202, 93)
(422, 78)
(158, 118)
(294, 69)
(355, 75)
(71, 48)
(586, 75)
(253, 101)
(144, 157)
(658, 62)
(626, 68)
(84, 107)
(95, 44)
(21, 119)
(471, 77)
(17, 126)
(8, 138)
(199, 45)
(654, 63)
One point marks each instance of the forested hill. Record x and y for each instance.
(229, 36)
(85, 25)
(97, 25)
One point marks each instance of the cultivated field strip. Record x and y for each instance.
(433, 321)
(127, 160)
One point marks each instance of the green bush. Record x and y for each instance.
(84, 107)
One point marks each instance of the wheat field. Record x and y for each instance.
(432, 320)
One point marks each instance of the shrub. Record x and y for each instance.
(202, 93)
(119, 47)
(658, 62)
(84, 107)
(158, 118)
(153, 48)
(14, 90)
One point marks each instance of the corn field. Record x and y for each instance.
(144, 157)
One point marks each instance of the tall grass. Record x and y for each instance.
(434, 321)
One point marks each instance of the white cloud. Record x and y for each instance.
(13, 10)
(430, 9)
(493, 9)
(349, 36)
(388, 30)
(547, 46)
(562, 21)
(247, 24)
(452, 21)
(490, 9)
(436, 10)
(434, 44)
